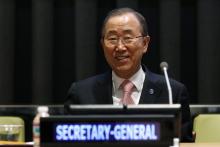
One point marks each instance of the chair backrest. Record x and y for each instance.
(207, 128)
(16, 121)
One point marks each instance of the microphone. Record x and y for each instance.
(164, 68)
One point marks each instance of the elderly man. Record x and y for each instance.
(125, 40)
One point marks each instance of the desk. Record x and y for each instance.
(199, 144)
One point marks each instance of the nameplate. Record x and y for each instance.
(99, 132)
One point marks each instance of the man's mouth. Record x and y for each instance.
(121, 58)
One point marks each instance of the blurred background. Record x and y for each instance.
(45, 45)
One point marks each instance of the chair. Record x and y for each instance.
(207, 128)
(12, 120)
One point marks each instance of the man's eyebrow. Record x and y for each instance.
(113, 32)
(128, 31)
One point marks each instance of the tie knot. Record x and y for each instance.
(127, 86)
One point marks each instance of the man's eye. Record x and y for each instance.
(128, 38)
(112, 39)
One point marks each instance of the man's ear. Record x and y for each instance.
(146, 41)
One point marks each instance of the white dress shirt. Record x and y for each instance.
(137, 79)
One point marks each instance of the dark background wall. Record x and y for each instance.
(45, 45)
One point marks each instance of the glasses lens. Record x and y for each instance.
(112, 41)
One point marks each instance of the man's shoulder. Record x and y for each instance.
(94, 79)
(160, 79)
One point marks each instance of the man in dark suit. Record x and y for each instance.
(125, 40)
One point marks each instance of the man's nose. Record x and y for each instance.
(120, 45)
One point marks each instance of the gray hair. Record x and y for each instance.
(121, 11)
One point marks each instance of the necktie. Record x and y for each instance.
(127, 87)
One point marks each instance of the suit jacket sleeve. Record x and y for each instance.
(71, 97)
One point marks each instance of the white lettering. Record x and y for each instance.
(141, 132)
(153, 131)
(107, 131)
(117, 133)
(98, 132)
(136, 132)
(94, 133)
(70, 132)
(59, 132)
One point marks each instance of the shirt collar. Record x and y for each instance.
(137, 79)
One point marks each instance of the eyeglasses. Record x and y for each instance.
(113, 41)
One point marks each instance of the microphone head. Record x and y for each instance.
(163, 65)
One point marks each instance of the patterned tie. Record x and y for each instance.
(127, 87)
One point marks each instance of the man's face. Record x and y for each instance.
(123, 51)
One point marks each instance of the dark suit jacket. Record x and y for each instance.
(98, 90)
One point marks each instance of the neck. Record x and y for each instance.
(126, 74)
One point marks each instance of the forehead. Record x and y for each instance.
(124, 23)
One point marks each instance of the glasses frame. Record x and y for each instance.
(123, 40)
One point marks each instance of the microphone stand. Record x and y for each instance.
(164, 67)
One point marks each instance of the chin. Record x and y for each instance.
(122, 70)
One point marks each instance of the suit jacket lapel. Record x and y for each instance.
(150, 92)
(103, 89)
(149, 95)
